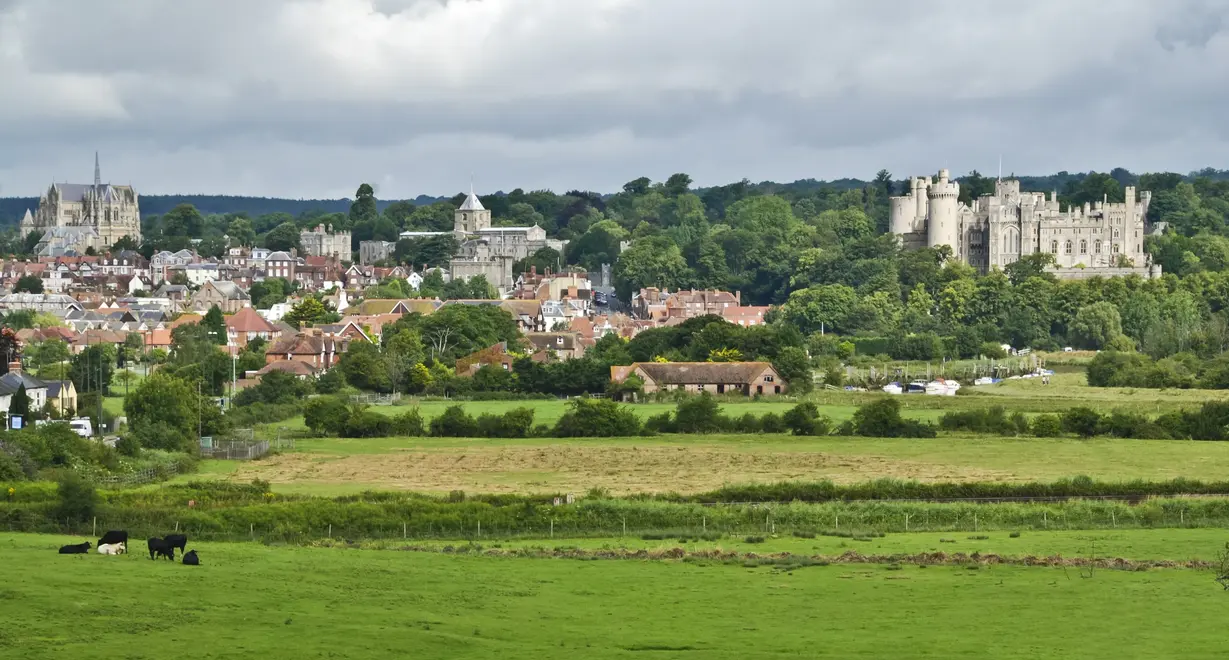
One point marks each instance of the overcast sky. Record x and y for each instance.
(308, 98)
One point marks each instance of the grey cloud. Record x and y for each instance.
(299, 97)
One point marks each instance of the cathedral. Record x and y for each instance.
(1103, 238)
(76, 216)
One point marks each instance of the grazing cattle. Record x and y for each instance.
(191, 559)
(176, 541)
(112, 549)
(79, 549)
(158, 546)
(114, 536)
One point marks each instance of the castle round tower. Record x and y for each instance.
(943, 224)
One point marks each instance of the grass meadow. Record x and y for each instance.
(249, 600)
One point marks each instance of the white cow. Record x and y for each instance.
(112, 549)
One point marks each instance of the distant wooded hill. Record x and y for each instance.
(13, 208)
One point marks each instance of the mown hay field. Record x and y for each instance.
(690, 464)
(249, 600)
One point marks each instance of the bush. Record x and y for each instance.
(1084, 422)
(772, 423)
(454, 422)
(661, 423)
(77, 499)
(1047, 426)
(326, 414)
(698, 414)
(160, 435)
(748, 423)
(128, 445)
(881, 419)
(364, 423)
(408, 424)
(590, 418)
(992, 350)
(804, 419)
(512, 424)
(988, 420)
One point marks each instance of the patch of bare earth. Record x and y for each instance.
(571, 468)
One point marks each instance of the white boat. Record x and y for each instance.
(893, 388)
(916, 387)
(984, 380)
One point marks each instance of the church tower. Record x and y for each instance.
(472, 217)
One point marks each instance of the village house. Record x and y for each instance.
(245, 325)
(495, 355)
(313, 347)
(746, 378)
(226, 296)
(565, 345)
(11, 382)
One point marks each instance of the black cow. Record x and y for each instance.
(113, 537)
(190, 558)
(158, 547)
(79, 549)
(176, 541)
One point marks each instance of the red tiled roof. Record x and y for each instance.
(248, 320)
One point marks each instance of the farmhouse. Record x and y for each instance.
(747, 378)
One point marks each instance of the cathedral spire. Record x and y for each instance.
(97, 172)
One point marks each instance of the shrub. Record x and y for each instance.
(128, 445)
(364, 423)
(1084, 422)
(326, 414)
(804, 419)
(454, 422)
(408, 424)
(988, 420)
(661, 423)
(590, 418)
(881, 419)
(748, 423)
(753, 539)
(512, 424)
(698, 414)
(992, 350)
(772, 423)
(160, 435)
(76, 497)
(1047, 426)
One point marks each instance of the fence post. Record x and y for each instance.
(403, 530)
(177, 525)
(704, 524)
(624, 525)
(252, 530)
(906, 522)
(552, 528)
(480, 527)
(1113, 518)
(975, 522)
(838, 520)
(330, 530)
(1045, 519)
(95, 526)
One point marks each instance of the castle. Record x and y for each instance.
(1103, 238)
(76, 216)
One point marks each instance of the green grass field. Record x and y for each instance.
(248, 600)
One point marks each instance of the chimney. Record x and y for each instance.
(15, 366)
(738, 298)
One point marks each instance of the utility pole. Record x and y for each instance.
(198, 412)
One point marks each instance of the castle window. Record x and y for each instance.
(1115, 233)
(1083, 247)
(1096, 247)
(1053, 247)
(1115, 248)
(1067, 248)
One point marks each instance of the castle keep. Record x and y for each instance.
(1098, 239)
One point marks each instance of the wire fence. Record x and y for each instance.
(141, 477)
(850, 524)
(376, 399)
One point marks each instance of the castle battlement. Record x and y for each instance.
(1000, 227)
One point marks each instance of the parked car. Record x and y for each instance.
(82, 426)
